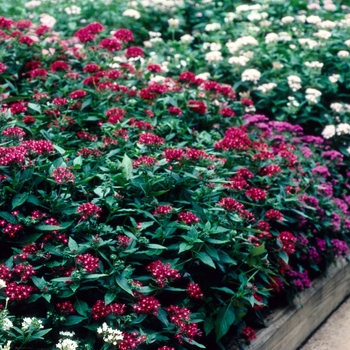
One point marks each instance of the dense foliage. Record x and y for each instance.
(124, 192)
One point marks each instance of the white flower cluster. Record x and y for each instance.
(343, 54)
(264, 88)
(334, 78)
(67, 343)
(173, 22)
(308, 42)
(323, 34)
(238, 60)
(33, 322)
(234, 46)
(47, 20)
(73, 10)
(132, 14)
(287, 20)
(251, 75)
(187, 38)
(213, 56)
(229, 17)
(248, 8)
(162, 5)
(32, 4)
(6, 324)
(326, 24)
(110, 335)
(294, 82)
(340, 107)
(328, 131)
(313, 95)
(211, 27)
(6, 346)
(343, 129)
(314, 64)
(292, 102)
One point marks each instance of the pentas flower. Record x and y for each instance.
(188, 218)
(134, 52)
(18, 107)
(140, 124)
(249, 333)
(25, 271)
(62, 175)
(88, 262)
(42, 29)
(65, 307)
(235, 138)
(144, 161)
(59, 65)
(26, 40)
(175, 111)
(115, 115)
(23, 24)
(110, 44)
(187, 77)
(166, 348)
(14, 132)
(91, 68)
(147, 305)
(38, 146)
(124, 35)
(194, 291)
(18, 291)
(163, 274)
(3, 68)
(88, 210)
(172, 155)
(340, 247)
(270, 170)
(227, 112)
(131, 341)
(5, 273)
(163, 210)
(149, 139)
(78, 94)
(154, 68)
(274, 214)
(256, 194)
(287, 239)
(197, 106)
(230, 204)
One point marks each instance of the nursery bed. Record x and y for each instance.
(288, 327)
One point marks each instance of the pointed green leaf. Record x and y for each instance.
(224, 320)
(124, 284)
(206, 259)
(19, 199)
(127, 166)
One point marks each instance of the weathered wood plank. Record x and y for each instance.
(289, 327)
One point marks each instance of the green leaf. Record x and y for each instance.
(19, 199)
(257, 250)
(78, 161)
(34, 107)
(81, 307)
(39, 282)
(127, 167)
(162, 317)
(39, 334)
(208, 325)
(72, 245)
(224, 320)
(124, 284)
(193, 342)
(224, 289)
(59, 149)
(73, 320)
(95, 276)
(109, 297)
(62, 226)
(206, 259)
(284, 256)
(185, 246)
(155, 246)
(8, 217)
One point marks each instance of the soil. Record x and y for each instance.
(334, 333)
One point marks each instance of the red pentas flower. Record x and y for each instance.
(249, 333)
(87, 210)
(172, 155)
(256, 194)
(14, 132)
(188, 218)
(259, 299)
(175, 111)
(99, 310)
(163, 274)
(124, 35)
(147, 305)
(123, 241)
(270, 170)
(287, 239)
(23, 24)
(88, 262)
(42, 29)
(235, 138)
(60, 101)
(197, 106)
(91, 68)
(38, 146)
(247, 102)
(227, 112)
(230, 204)
(110, 44)
(194, 291)
(18, 291)
(3, 68)
(26, 40)
(115, 115)
(59, 65)
(131, 341)
(187, 77)
(38, 72)
(149, 139)
(65, 307)
(95, 27)
(274, 214)
(78, 94)
(144, 161)
(163, 210)
(62, 175)
(25, 271)
(154, 68)
(5, 273)
(18, 107)
(6, 23)
(134, 52)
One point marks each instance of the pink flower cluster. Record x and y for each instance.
(162, 273)
(88, 262)
(88, 210)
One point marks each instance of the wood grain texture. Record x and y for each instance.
(287, 328)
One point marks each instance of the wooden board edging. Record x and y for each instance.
(287, 328)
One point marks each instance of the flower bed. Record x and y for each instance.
(149, 212)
